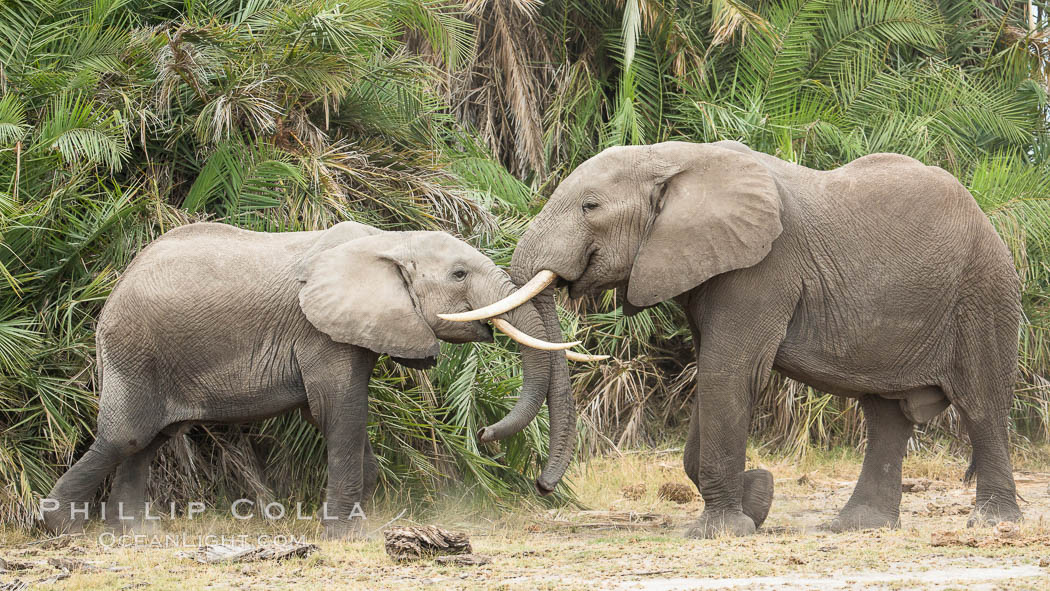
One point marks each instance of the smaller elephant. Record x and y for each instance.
(211, 323)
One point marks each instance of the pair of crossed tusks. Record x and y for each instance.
(523, 294)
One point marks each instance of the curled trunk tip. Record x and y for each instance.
(544, 489)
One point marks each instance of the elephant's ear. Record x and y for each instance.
(332, 237)
(360, 293)
(714, 210)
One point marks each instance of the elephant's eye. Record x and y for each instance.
(459, 274)
(590, 205)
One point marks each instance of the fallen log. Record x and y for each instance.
(415, 543)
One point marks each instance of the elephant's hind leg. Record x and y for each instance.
(876, 499)
(996, 492)
(126, 505)
(65, 509)
(982, 389)
(124, 428)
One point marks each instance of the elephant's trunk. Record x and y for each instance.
(560, 402)
(535, 367)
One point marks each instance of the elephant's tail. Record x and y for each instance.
(971, 471)
(98, 363)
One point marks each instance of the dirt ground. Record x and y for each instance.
(628, 537)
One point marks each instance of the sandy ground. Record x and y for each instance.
(625, 539)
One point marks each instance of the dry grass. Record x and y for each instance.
(618, 542)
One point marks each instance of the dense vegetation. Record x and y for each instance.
(120, 119)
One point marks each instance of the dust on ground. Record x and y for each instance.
(628, 537)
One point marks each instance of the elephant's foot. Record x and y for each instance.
(137, 526)
(858, 517)
(758, 495)
(993, 511)
(720, 522)
(130, 517)
(346, 530)
(60, 519)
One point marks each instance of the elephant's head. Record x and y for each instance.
(657, 220)
(387, 291)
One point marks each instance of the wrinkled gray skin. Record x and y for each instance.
(211, 323)
(881, 280)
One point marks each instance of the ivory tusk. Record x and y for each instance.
(512, 331)
(584, 357)
(523, 294)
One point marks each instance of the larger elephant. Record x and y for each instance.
(211, 323)
(881, 280)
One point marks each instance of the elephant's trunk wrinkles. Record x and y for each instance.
(560, 403)
(535, 367)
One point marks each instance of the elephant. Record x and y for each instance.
(881, 280)
(212, 323)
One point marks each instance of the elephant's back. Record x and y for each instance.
(919, 214)
(894, 186)
(196, 253)
(895, 206)
(217, 246)
(198, 275)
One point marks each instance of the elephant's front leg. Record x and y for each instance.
(338, 400)
(722, 415)
(756, 485)
(343, 512)
(737, 329)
